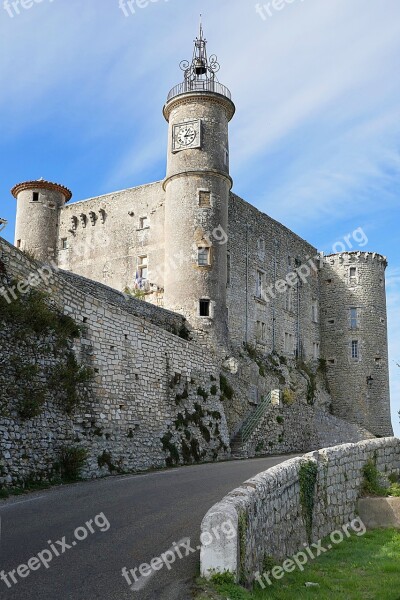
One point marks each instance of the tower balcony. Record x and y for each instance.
(199, 85)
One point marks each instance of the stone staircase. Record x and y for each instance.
(238, 442)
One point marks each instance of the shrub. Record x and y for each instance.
(72, 461)
(288, 397)
(226, 389)
(105, 460)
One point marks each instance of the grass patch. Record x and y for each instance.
(360, 568)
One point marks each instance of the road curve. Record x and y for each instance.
(141, 517)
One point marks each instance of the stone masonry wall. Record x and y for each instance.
(258, 244)
(154, 400)
(106, 237)
(267, 514)
(353, 312)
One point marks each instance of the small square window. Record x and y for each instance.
(64, 243)
(204, 199)
(203, 257)
(204, 308)
(35, 197)
(143, 222)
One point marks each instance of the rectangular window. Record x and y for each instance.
(204, 199)
(314, 311)
(289, 346)
(35, 197)
(204, 308)
(261, 331)
(259, 284)
(353, 318)
(143, 222)
(64, 243)
(18, 243)
(203, 257)
(142, 269)
(354, 349)
(316, 350)
(353, 274)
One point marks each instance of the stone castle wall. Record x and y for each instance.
(258, 244)
(106, 236)
(269, 518)
(154, 398)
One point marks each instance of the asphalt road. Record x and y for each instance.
(141, 516)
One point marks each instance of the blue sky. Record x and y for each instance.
(315, 142)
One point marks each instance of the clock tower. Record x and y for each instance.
(197, 187)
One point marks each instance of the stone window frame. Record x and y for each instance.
(64, 243)
(210, 308)
(353, 279)
(355, 350)
(202, 193)
(261, 332)
(35, 197)
(354, 318)
(316, 350)
(315, 311)
(289, 343)
(144, 223)
(260, 276)
(204, 256)
(143, 265)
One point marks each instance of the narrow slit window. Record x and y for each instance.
(354, 349)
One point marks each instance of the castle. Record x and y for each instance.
(188, 244)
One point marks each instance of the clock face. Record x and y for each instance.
(186, 135)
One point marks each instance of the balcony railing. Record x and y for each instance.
(199, 85)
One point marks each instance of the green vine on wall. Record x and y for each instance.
(43, 335)
(308, 479)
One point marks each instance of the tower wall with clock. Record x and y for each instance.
(197, 189)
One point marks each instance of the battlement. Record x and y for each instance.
(355, 256)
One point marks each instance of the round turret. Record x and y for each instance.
(38, 206)
(354, 338)
(197, 189)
